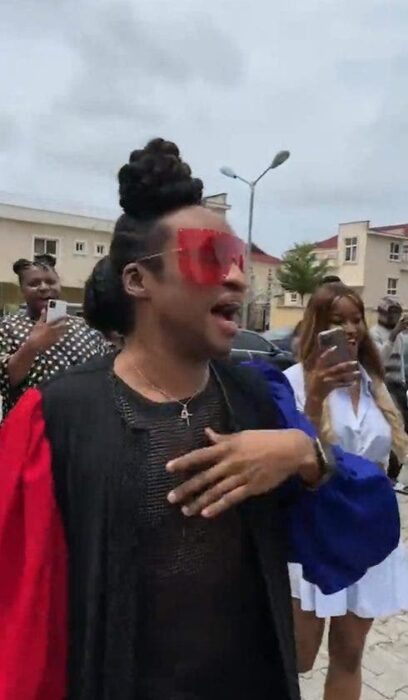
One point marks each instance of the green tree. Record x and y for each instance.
(301, 271)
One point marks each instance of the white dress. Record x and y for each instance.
(383, 590)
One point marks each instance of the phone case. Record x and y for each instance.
(338, 339)
(56, 310)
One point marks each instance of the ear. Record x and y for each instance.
(133, 279)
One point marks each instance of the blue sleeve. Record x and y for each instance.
(349, 524)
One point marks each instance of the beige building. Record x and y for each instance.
(76, 241)
(373, 260)
(263, 287)
(218, 203)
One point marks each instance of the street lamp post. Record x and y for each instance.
(280, 158)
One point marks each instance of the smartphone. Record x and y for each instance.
(56, 310)
(335, 338)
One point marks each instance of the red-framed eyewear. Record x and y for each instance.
(205, 256)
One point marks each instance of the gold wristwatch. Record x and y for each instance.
(325, 461)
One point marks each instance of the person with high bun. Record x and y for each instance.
(147, 497)
(32, 350)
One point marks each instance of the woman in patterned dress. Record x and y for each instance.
(32, 350)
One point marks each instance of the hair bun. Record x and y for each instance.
(45, 259)
(156, 181)
(20, 265)
(105, 302)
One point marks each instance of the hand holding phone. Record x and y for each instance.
(335, 368)
(401, 327)
(56, 310)
(335, 340)
(50, 327)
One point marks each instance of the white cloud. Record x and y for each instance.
(231, 83)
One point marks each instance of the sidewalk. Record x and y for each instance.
(385, 666)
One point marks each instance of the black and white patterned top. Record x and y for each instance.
(78, 345)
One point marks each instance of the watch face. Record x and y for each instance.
(330, 458)
(326, 461)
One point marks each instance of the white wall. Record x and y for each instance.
(379, 268)
(353, 273)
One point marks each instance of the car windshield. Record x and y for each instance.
(278, 333)
(247, 340)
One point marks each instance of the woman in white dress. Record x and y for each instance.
(363, 420)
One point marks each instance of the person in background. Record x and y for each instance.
(388, 337)
(330, 279)
(155, 481)
(102, 290)
(295, 338)
(351, 406)
(32, 350)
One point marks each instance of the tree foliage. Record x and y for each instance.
(301, 271)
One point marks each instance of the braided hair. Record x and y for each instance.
(43, 262)
(155, 182)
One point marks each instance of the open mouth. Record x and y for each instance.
(229, 312)
(227, 317)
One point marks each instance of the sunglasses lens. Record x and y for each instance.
(206, 256)
(230, 250)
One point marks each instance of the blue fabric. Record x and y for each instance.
(349, 524)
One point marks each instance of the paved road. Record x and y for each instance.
(386, 658)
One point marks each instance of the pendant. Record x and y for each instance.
(185, 415)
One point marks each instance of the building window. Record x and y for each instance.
(293, 298)
(350, 253)
(395, 249)
(100, 250)
(46, 246)
(392, 286)
(80, 248)
(405, 252)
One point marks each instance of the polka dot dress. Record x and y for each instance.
(78, 345)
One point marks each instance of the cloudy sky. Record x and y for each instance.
(83, 83)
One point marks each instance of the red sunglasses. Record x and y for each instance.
(206, 256)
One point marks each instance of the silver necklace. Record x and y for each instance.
(185, 415)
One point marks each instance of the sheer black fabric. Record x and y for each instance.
(204, 626)
(97, 458)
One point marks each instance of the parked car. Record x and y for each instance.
(72, 309)
(249, 345)
(281, 337)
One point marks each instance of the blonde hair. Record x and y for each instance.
(381, 396)
(317, 319)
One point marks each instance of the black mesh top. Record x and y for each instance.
(205, 632)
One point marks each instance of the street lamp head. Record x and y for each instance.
(228, 172)
(280, 158)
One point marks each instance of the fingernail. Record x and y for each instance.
(169, 466)
(172, 498)
(205, 513)
(186, 511)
